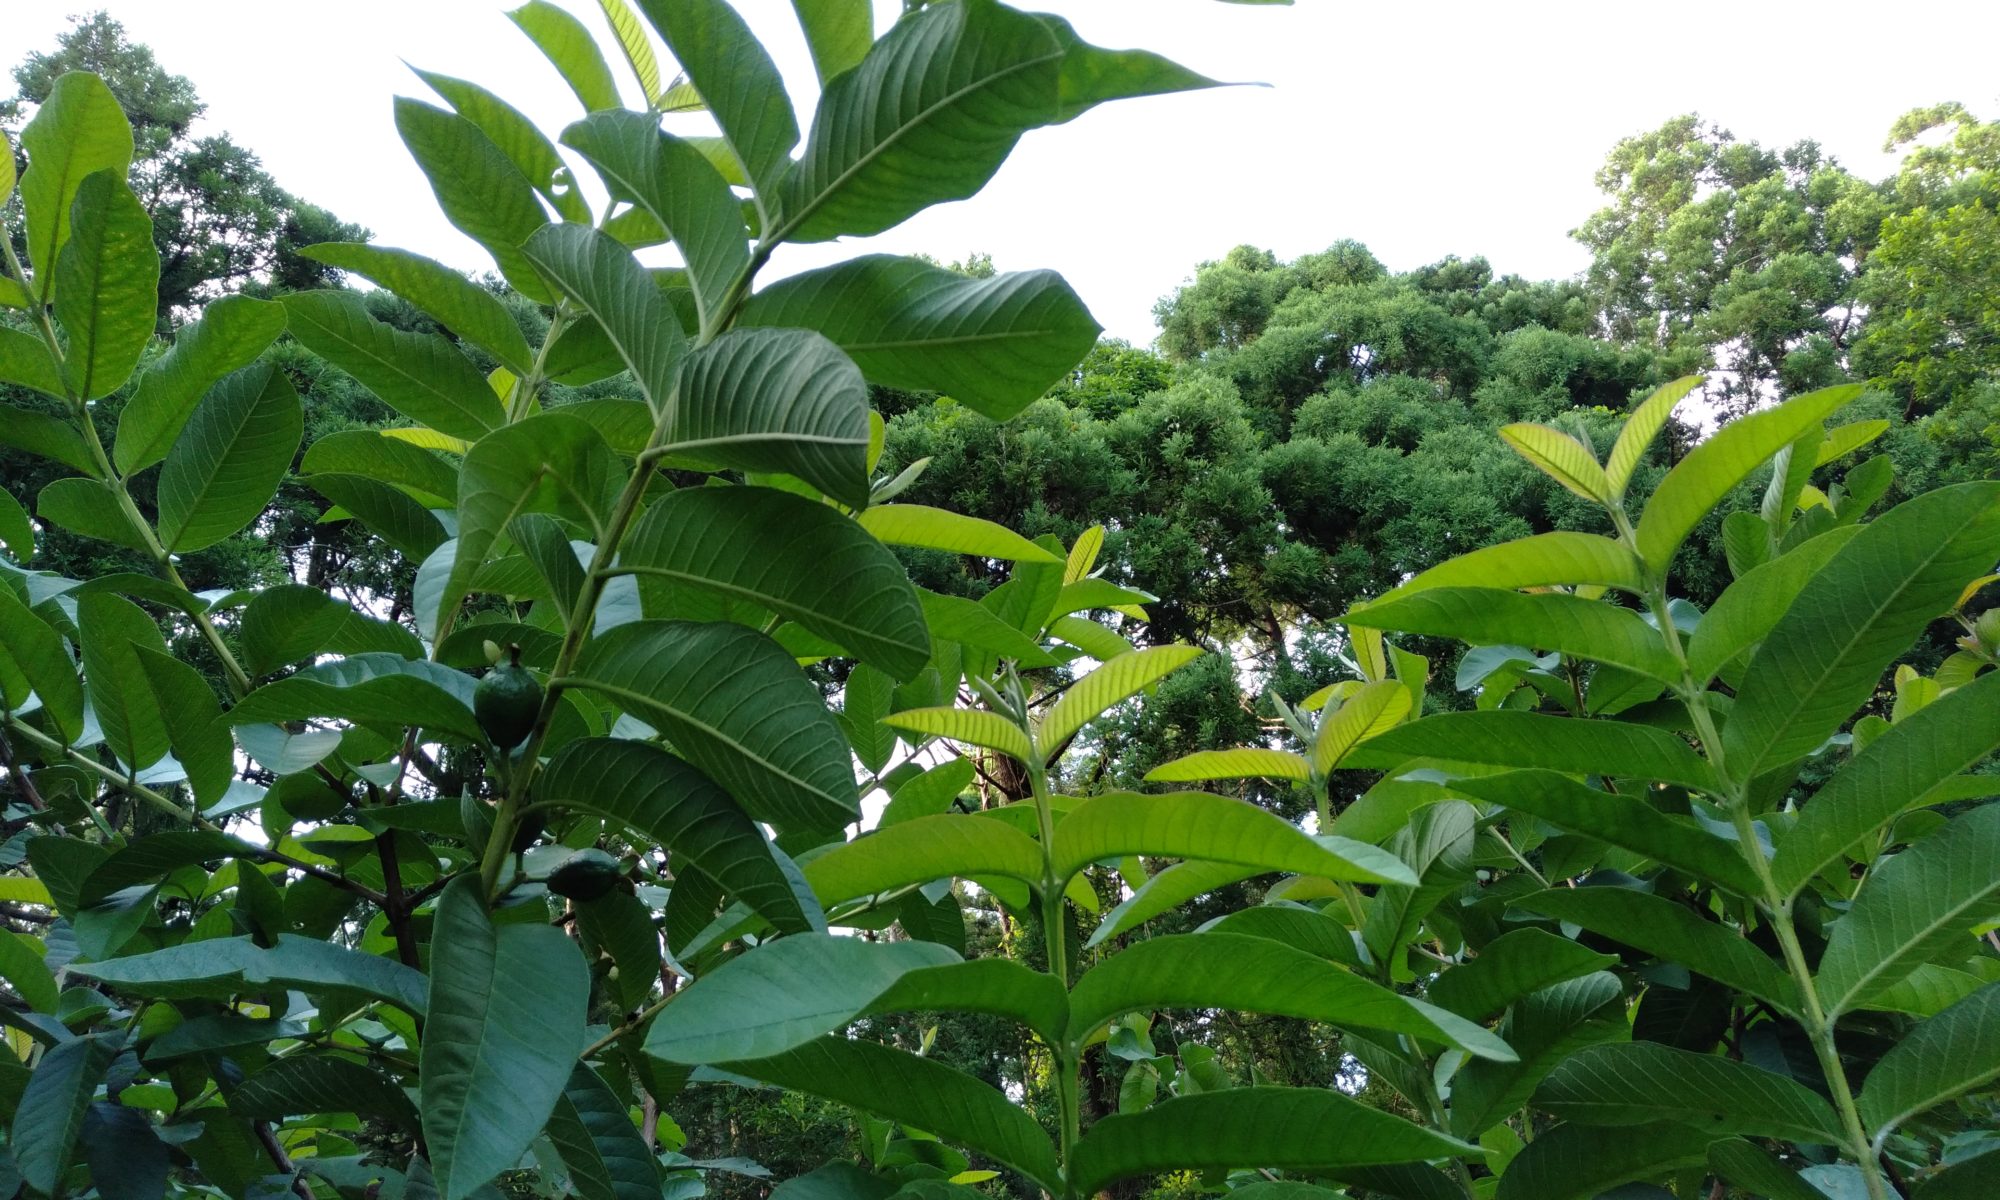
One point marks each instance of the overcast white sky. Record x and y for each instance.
(1419, 129)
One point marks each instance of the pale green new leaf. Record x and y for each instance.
(1247, 763)
(1843, 440)
(78, 130)
(1509, 967)
(1196, 825)
(992, 344)
(734, 704)
(838, 32)
(1713, 469)
(567, 44)
(479, 188)
(974, 727)
(502, 1032)
(107, 285)
(1370, 712)
(1639, 1083)
(1561, 559)
(1851, 620)
(1639, 430)
(1577, 1162)
(940, 529)
(1948, 1055)
(791, 556)
(781, 995)
(1253, 974)
(1560, 457)
(423, 377)
(1503, 738)
(1552, 621)
(232, 332)
(230, 458)
(918, 1092)
(671, 181)
(1913, 905)
(1111, 683)
(457, 303)
(920, 850)
(1897, 770)
(1671, 932)
(670, 804)
(776, 400)
(1272, 1127)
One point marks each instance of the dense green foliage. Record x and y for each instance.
(636, 732)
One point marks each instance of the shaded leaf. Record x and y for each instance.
(230, 458)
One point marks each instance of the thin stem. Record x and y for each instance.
(648, 1013)
(1067, 1055)
(165, 804)
(1776, 906)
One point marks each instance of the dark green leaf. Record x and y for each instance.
(603, 279)
(915, 1091)
(776, 400)
(783, 995)
(791, 556)
(1285, 1128)
(1948, 1055)
(230, 458)
(480, 190)
(1671, 932)
(993, 344)
(423, 377)
(114, 630)
(1897, 770)
(1637, 1083)
(606, 1157)
(669, 803)
(232, 332)
(1544, 1028)
(739, 83)
(36, 650)
(1913, 905)
(51, 1112)
(1548, 621)
(78, 130)
(107, 280)
(1623, 821)
(222, 966)
(502, 1032)
(1512, 966)
(736, 706)
(1851, 620)
(1252, 974)
(383, 688)
(320, 1083)
(674, 184)
(90, 508)
(456, 302)
(1215, 829)
(1576, 1162)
